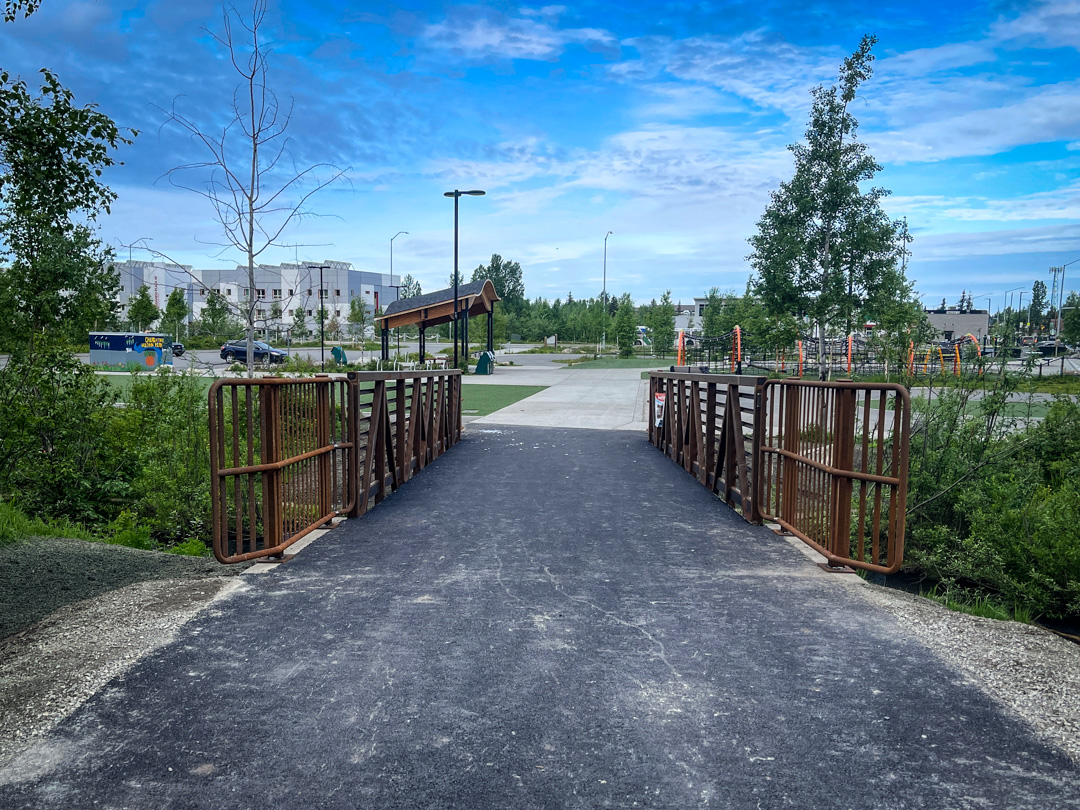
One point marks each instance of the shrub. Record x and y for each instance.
(996, 502)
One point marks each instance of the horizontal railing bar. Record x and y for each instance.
(817, 465)
(279, 465)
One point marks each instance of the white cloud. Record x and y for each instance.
(759, 66)
(492, 35)
(1050, 113)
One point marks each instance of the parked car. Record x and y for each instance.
(235, 351)
(177, 349)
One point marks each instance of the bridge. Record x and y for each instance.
(536, 616)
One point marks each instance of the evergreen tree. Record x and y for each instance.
(712, 321)
(299, 328)
(663, 327)
(175, 315)
(410, 287)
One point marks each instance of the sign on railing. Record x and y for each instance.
(288, 456)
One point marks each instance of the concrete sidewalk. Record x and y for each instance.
(601, 399)
(543, 619)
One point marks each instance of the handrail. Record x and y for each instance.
(290, 455)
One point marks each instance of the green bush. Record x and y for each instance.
(995, 502)
(165, 427)
(59, 457)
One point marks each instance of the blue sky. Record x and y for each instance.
(665, 123)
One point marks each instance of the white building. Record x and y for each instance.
(280, 291)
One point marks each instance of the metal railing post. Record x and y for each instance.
(843, 458)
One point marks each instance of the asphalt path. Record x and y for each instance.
(544, 618)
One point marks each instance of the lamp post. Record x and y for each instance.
(1061, 303)
(603, 296)
(457, 194)
(396, 287)
(322, 316)
(131, 270)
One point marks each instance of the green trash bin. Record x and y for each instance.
(485, 363)
(339, 355)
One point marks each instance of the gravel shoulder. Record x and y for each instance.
(74, 615)
(41, 575)
(1032, 673)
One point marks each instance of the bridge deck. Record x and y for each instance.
(544, 618)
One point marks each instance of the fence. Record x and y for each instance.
(833, 468)
(701, 421)
(287, 456)
(826, 461)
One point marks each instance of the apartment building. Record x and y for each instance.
(280, 290)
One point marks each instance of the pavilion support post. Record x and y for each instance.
(423, 344)
(466, 335)
(491, 330)
(385, 344)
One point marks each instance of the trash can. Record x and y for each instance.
(485, 363)
(339, 355)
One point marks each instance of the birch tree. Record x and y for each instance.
(243, 174)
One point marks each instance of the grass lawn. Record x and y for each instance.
(631, 362)
(479, 400)
(122, 382)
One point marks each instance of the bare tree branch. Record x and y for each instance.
(252, 208)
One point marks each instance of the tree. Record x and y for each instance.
(333, 328)
(663, 325)
(176, 312)
(299, 327)
(59, 278)
(410, 287)
(1037, 309)
(359, 319)
(625, 325)
(712, 321)
(1070, 320)
(13, 7)
(823, 243)
(243, 182)
(216, 319)
(506, 277)
(141, 310)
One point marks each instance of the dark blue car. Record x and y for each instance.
(235, 351)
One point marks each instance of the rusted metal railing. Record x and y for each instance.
(706, 424)
(827, 461)
(407, 420)
(288, 456)
(833, 468)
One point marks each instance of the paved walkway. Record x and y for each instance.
(601, 399)
(544, 618)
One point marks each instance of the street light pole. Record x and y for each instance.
(397, 287)
(322, 316)
(603, 296)
(456, 194)
(1061, 304)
